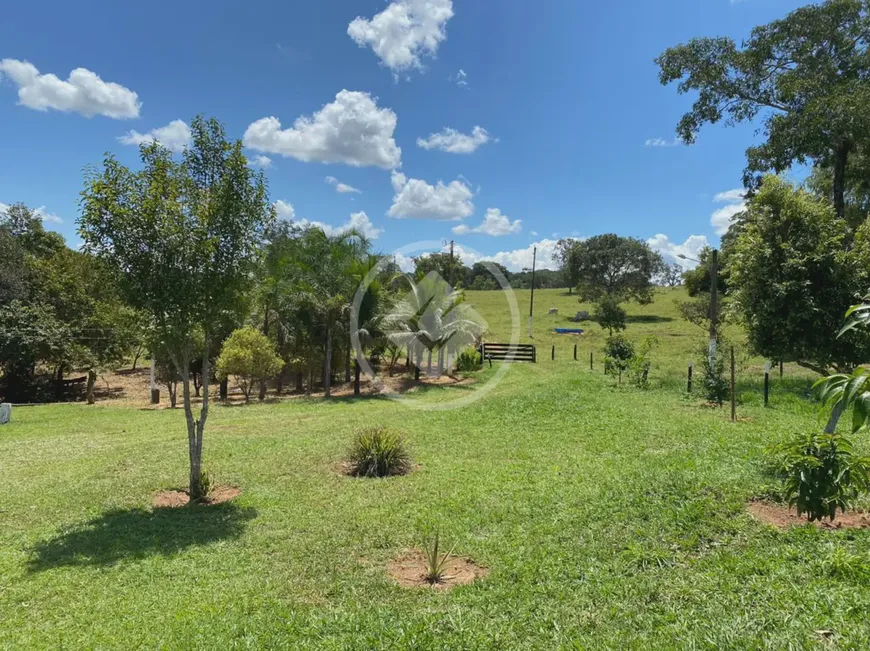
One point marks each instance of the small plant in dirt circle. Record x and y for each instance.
(618, 352)
(820, 474)
(379, 452)
(436, 562)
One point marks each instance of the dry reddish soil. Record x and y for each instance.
(177, 498)
(409, 571)
(132, 388)
(782, 517)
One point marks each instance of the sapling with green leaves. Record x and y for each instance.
(185, 236)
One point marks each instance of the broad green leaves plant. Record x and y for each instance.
(843, 391)
(821, 474)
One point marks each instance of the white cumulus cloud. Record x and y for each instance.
(691, 248)
(284, 209)
(175, 136)
(417, 199)
(456, 142)
(343, 188)
(351, 130)
(494, 223)
(260, 162)
(82, 92)
(517, 259)
(722, 217)
(358, 221)
(404, 32)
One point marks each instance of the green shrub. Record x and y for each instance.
(820, 474)
(468, 360)
(250, 356)
(609, 315)
(714, 385)
(618, 352)
(640, 363)
(379, 452)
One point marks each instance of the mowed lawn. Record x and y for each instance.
(608, 517)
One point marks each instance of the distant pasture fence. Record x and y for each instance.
(508, 352)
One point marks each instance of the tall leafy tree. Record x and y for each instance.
(805, 77)
(620, 268)
(794, 270)
(185, 237)
(567, 255)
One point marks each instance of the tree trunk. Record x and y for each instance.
(310, 372)
(356, 371)
(347, 363)
(136, 356)
(440, 368)
(429, 364)
(92, 378)
(58, 383)
(841, 157)
(195, 426)
(262, 395)
(224, 388)
(327, 363)
(299, 383)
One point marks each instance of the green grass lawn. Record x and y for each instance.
(609, 518)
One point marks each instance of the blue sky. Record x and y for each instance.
(556, 126)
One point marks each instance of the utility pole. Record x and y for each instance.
(450, 279)
(714, 301)
(532, 298)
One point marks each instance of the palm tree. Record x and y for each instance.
(431, 316)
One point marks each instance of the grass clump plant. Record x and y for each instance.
(379, 452)
(436, 562)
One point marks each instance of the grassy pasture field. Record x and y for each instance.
(609, 518)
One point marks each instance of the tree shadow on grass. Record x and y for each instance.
(131, 534)
(647, 318)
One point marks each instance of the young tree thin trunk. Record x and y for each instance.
(195, 426)
(310, 372)
(429, 364)
(347, 363)
(262, 395)
(356, 371)
(327, 363)
(136, 356)
(299, 384)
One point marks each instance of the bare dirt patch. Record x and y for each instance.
(176, 498)
(409, 571)
(782, 517)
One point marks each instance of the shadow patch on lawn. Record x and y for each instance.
(647, 318)
(130, 534)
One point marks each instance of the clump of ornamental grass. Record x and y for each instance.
(379, 452)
